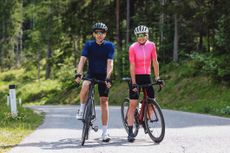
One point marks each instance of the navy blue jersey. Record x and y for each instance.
(98, 55)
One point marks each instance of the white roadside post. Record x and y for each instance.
(13, 104)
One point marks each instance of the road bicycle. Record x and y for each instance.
(149, 115)
(89, 115)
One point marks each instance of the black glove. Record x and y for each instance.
(108, 80)
(134, 86)
(77, 75)
(160, 82)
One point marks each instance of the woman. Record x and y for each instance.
(141, 54)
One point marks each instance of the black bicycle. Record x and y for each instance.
(89, 114)
(149, 115)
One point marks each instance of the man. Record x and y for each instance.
(99, 53)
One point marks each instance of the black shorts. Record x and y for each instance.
(102, 89)
(140, 80)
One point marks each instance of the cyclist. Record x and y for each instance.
(99, 53)
(141, 54)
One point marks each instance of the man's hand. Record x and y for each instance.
(108, 82)
(78, 78)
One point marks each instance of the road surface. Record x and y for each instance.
(185, 133)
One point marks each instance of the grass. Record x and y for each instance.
(194, 94)
(13, 130)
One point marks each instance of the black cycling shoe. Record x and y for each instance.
(131, 138)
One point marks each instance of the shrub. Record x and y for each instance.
(8, 78)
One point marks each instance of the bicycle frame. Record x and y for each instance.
(90, 100)
(143, 103)
(90, 112)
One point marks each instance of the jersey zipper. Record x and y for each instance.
(144, 58)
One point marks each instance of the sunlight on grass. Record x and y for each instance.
(13, 130)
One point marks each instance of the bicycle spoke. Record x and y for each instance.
(155, 122)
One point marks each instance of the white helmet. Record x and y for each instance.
(141, 29)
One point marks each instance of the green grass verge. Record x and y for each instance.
(13, 130)
(187, 90)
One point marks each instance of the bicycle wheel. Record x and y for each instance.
(154, 121)
(124, 112)
(86, 123)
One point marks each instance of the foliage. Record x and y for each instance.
(55, 31)
(215, 66)
(14, 129)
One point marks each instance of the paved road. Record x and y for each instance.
(185, 133)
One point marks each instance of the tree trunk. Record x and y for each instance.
(2, 44)
(208, 40)
(161, 26)
(162, 2)
(75, 52)
(19, 49)
(49, 51)
(38, 62)
(48, 60)
(128, 23)
(117, 22)
(200, 48)
(175, 44)
(20, 45)
(17, 52)
(118, 38)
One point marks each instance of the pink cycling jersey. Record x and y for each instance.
(142, 55)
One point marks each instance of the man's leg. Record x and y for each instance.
(83, 98)
(104, 118)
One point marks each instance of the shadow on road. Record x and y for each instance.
(71, 143)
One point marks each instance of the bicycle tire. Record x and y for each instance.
(124, 110)
(86, 123)
(155, 132)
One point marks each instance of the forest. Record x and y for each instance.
(48, 35)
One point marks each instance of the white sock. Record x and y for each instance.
(104, 129)
(82, 107)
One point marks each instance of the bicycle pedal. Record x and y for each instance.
(95, 128)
